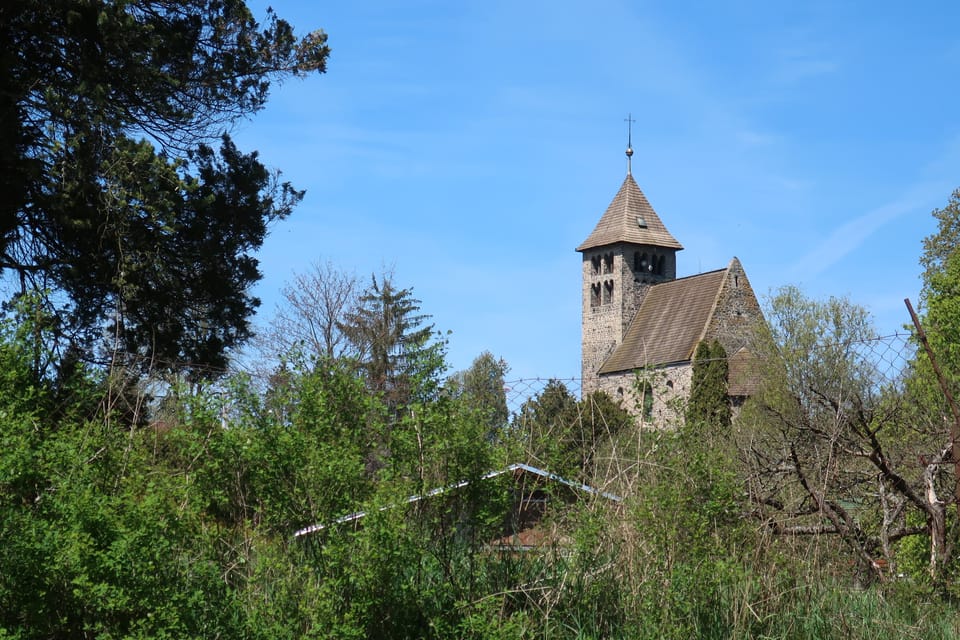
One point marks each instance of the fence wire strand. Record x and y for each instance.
(884, 358)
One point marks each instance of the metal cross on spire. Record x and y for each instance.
(629, 120)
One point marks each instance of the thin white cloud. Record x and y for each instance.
(848, 237)
(918, 199)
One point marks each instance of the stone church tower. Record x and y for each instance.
(639, 317)
(629, 250)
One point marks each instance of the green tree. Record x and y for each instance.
(481, 389)
(115, 201)
(393, 343)
(939, 247)
(930, 409)
(563, 435)
(601, 422)
(709, 405)
(941, 297)
(542, 425)
(832, 448)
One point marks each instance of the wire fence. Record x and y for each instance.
(883, 360)
(886, 359)
(522, 389)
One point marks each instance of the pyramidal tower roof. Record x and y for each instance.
(630, 218)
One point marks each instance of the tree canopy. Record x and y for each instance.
(117, 207)
(482, 388)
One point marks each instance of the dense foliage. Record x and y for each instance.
(125, 205)
(358, 490)
(186, 527)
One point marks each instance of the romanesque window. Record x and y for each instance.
(661, 262)
(639, 261)
(608, 292)
(595, 264)
(595, 294)
(608, 263)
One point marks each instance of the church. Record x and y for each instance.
(638, 316)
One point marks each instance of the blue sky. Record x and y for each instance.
(472, 145)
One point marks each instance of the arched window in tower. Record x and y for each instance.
(595, 289)
(607, 291)
(661, 265)
(608, 263)
(641, 262)
(595, 265)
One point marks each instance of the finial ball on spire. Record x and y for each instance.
(629, 151)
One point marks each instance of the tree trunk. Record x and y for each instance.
(936, 521)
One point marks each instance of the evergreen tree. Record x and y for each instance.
(562, 435)
(393, 343)
(709, 405)
(116, 204)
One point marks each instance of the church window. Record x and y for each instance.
(595, 294)
(661, 263)
(608, 292)
(640, 262)
(608, 263)
(595, 264)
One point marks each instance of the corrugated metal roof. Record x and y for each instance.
(670, 322)
(630, 218)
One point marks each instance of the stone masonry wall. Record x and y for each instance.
(612, 290)
(669, 387)
(737, 313)
(601, 319)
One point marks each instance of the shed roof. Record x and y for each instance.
(630, 218)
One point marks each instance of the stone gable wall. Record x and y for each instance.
(737, 312)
